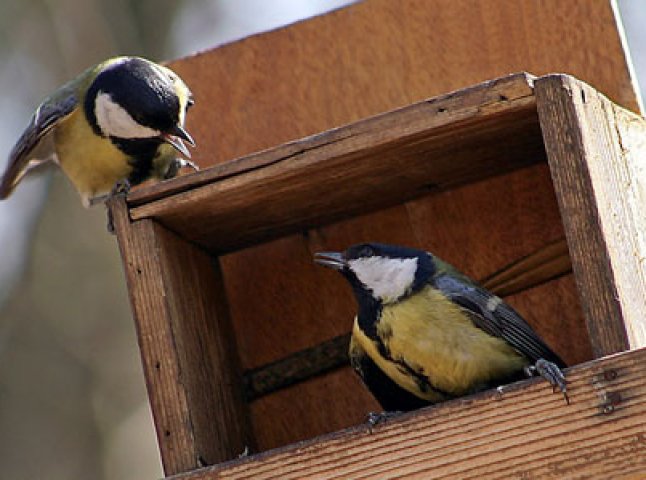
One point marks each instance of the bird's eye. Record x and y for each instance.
(366, 251)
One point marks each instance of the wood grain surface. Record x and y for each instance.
(597, 167)
(185, 337)
(373, 57)
(523, 432)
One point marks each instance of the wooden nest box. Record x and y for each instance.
(240, 331)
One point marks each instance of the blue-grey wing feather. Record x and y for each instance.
(495, 317)
(47, 115)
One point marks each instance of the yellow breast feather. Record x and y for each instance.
(437, 340)
(91, 162)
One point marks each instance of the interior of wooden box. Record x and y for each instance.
(281, 302)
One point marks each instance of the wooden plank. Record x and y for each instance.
(503, 96)
(186, 345)
(355, 169)
(595, 152)
(524, 432)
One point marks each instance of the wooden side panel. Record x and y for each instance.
(524, 432)
(186, 345)
(596, 153)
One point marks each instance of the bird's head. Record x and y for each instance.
(387, 273)
(132, 99)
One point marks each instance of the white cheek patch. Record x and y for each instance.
(388, 278)
(114, 121)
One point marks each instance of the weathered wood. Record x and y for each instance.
(596, 152)
(355, 169)
(186, 345)
(524, 432)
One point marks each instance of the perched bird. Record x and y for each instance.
(425, 333)
(115, 125)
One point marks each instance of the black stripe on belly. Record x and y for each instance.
(141, 153)
(390, 396)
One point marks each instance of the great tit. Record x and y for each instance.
(425, 333)
(115, 125)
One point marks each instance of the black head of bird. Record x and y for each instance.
(133, 99)
(425, 332)
(119, 121)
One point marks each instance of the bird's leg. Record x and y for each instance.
(550, 372)
(122, 187)
(176, 165)
(245, 453)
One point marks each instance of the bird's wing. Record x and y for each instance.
(494, 316)
(25, 153)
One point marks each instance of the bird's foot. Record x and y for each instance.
(375, 418)
(177, 164)
(245, 453)
(122, 187)
(550, 372)
(187, 163)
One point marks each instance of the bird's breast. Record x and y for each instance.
(92, 163)
(427, 336)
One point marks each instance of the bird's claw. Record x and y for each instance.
(187, 163)
(375, 418)
(245, 453)
(550, 372)
(122, 187)
(177, 164)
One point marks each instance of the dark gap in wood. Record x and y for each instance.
(297, 367)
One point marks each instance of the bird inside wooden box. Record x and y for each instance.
(425, 333)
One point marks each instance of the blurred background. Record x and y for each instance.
(72, 396)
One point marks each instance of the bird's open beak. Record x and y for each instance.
(175, 136)
(333, 260)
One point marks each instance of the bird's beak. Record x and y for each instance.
(333, 260)
(175, 136)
